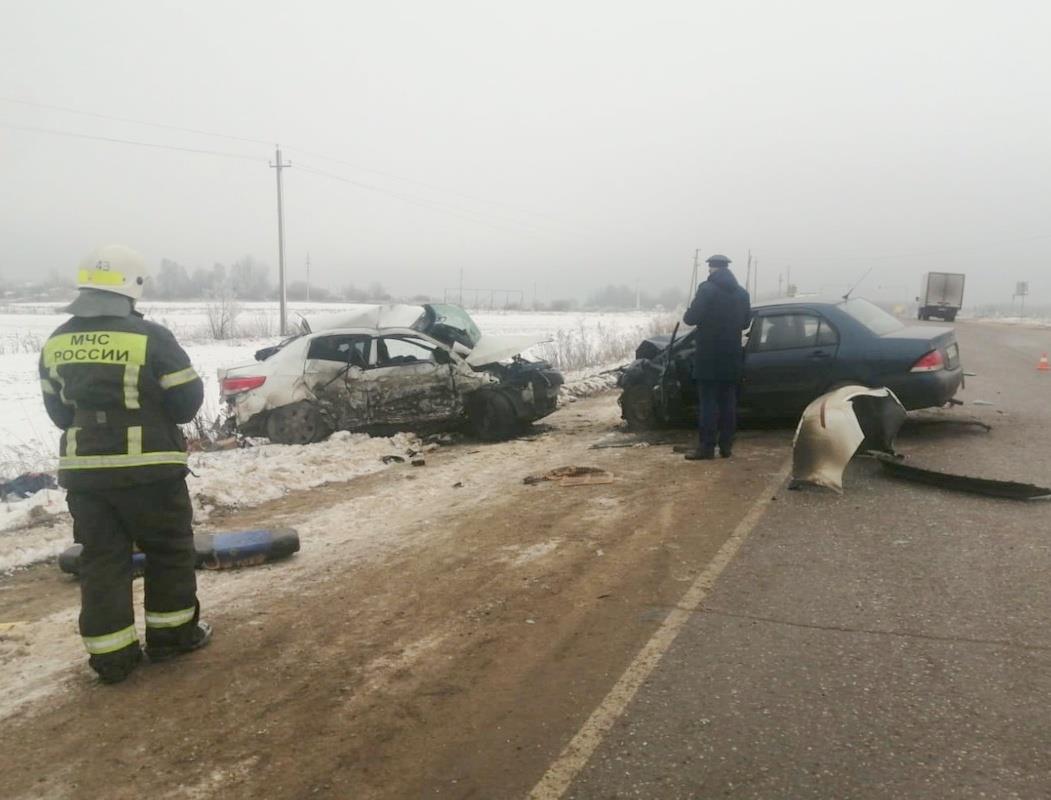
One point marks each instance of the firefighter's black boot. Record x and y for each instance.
(199, 636)
(115, 667)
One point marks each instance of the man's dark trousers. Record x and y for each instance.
(158, 517)
(718, 417)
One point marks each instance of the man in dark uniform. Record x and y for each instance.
(721, 311)
(118, 387)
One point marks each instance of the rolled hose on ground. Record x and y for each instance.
(215, 550)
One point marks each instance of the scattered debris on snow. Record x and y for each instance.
(572, 476)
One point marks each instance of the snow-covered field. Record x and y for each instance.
(1033, 322)
(29, 442)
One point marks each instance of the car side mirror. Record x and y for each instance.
(442, 356)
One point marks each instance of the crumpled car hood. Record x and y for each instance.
(491, 349)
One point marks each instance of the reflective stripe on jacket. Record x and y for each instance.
(118, 387)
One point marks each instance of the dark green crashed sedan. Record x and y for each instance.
(796, 350)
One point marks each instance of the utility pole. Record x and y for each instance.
(693, 278)
(461, 287)
(279, 165)
(748, 276)
(308, 277)
(755, 277)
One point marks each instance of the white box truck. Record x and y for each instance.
(941, 295)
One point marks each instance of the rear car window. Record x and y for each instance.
(872, 316)
(343, 348)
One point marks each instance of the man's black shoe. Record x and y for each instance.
(700, 455)
(202, 634)
(725, 452)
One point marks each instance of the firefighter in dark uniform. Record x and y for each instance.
(118, 387)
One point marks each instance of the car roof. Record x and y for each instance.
(372, 316)
(813, 301)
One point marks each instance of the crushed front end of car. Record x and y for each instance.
(532, 386)
(658, 387)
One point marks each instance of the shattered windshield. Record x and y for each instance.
(449, 324)
(872, 316)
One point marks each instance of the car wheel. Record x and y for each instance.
(298, 423)
(492, 416)
(636, 403)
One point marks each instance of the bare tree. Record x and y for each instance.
(222, 311)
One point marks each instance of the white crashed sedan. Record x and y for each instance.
(384, 368)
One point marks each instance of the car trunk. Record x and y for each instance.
(907, 345)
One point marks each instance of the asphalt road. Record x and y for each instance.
(892, 642)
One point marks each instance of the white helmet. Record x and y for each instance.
(113, 268)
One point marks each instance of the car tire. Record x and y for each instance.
(636, 403)
(297, 423)
(492, 416)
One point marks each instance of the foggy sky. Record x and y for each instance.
(558, 144)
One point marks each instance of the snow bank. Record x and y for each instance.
(34, 529)
(580, 385)
(39, 527)
(241, 478)
(248, 477)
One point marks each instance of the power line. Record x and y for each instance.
(112, 118)
(425, 185)
(416, 201)
(309, 153)
(200, 151)
(113, 140)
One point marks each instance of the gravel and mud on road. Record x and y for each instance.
(443, 632)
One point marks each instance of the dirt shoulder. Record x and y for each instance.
(431, 639)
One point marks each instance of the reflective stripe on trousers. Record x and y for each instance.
(170, 619)
(111, 642)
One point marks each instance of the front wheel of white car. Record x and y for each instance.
(492, 416)
(298, 423)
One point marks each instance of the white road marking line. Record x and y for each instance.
(580, 749)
